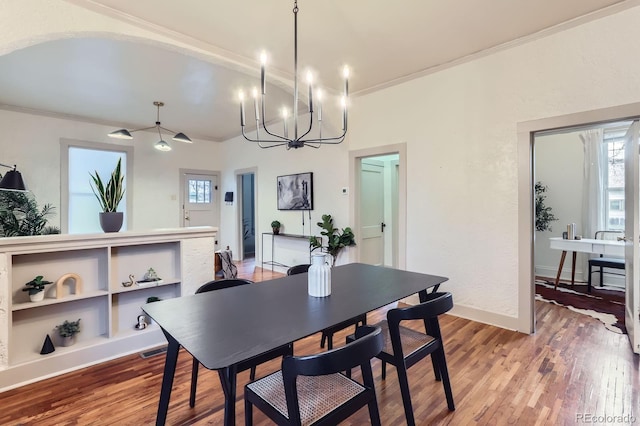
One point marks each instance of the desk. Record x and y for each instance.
(224, 327)
(585, 245)
(272, 262)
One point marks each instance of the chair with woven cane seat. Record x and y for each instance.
(312, 390)
(605, 262)
(404, 347)
(327, 333)
(245, 365)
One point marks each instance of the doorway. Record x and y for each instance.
(378, 179)
(526, 233)
(247, 213)
(199, 200)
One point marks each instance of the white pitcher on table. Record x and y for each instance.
(320, 275)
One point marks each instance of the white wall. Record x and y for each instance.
(559, 163)
(459, 126)
(33, 143)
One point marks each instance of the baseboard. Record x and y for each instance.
(485, 317)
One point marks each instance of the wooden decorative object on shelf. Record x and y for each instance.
(77, 287)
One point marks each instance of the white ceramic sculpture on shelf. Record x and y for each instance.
(320, 275)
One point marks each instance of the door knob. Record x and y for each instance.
(382, 225)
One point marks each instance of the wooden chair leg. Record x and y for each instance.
(324, 337)
(442, 362)
(436, 369)
(589, 280)
(252, 375)
(601, 277)
(330, 341)
(384, 369)
(406, 395)
(194, 383)
(374, 414)
(248, 413)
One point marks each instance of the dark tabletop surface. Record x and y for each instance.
(223, 327)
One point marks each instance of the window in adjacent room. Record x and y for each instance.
(614, 178)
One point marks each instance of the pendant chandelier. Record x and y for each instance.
(300, 137)
(161, 145)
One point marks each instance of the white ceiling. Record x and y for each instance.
(384, 42)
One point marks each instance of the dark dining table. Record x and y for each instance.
(225, 327)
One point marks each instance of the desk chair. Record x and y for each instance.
(327, 333)
(312, 390)
(404, 347)
(245, 365)
(605, 262)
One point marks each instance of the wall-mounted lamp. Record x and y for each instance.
(228, 197)
(12, 180)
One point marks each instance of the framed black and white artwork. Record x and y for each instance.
(295, 192)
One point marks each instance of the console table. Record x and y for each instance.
(273, 236)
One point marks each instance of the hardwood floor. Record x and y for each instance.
(572, 366)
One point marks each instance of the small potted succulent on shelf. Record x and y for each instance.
(35, 287)
(275, 226)
(67, 331)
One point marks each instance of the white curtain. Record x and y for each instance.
(593, 196)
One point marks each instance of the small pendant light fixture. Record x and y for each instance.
(161, 145)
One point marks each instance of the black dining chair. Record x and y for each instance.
(327, 333)
(403, 347)
(245, 365)
(312, 390)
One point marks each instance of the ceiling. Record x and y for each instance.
(115, 81)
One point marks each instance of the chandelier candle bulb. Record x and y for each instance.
(255, 103)
(241, 109)
(310, 82)
(263, 77)
(285, 115)
(345, 73)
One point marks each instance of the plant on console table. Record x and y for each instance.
(275, 226)
(109, 197)
(35, 287)
(67, 331)
(337, 239)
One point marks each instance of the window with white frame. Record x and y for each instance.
(83, 207)
(614, 179)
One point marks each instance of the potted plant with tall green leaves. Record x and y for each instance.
(109, 197)
(337, 239)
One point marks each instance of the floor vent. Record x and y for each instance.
(153, 352)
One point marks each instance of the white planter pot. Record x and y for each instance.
(68, 341)
(38, 297)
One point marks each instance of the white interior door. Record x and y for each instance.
(372, 212)
(632, 235)
(200, 205)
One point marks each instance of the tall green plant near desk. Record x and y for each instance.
(544, 215)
